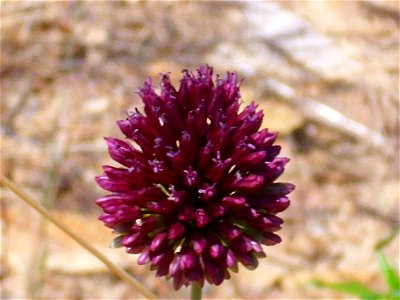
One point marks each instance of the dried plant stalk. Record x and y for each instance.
(81, 241)
(327, 115)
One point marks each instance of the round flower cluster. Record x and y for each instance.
(197, 191)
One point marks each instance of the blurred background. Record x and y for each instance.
(326, 74)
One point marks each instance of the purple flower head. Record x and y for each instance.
(196, 194)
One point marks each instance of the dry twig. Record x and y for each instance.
(325, 114)
(131, 281)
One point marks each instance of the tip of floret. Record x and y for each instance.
(205, 70)
(109, 140)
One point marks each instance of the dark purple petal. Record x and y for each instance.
(175, 231)
(272, 152)
(272, 204)
(162, 208)
(135, 198)
(124, 153)
(249, 183)
(278, 189)
(204, 157)
(159, 241)
(245, 213)
(178, 197)
(199, 243)
(142, 196)
(187, 213)
(133, 239)
(216, 249)
(191, 178)
(231, 261)
(207, 192)
(144, 257)
(196, 274)
(111, 200)
(274, 169)
(112, 185)
(229, 231)
(251, 160)
(128, 214)
(147, 224)
(213, 271)
(202, 218)
(233, 201)
(109, 220)
(215, 209)
(267, 223)
(250, 261)
(163, 259)
(270, 239)
(256, 246)
(177, 159)
(188, 144)
(189, 259)
(218, 169)
(175, 265)
(242, 245)
(161, 270)
(178, 280)
(137, 248)
(264, 138)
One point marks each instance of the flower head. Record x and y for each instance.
(196, 194)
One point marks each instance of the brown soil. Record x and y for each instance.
(69, 69)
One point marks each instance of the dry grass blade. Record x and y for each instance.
(325, 114)
(384, 9)
(57, 153)
(21, 19)
(115, 269)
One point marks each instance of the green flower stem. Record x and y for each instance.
(195, 293)
(80, 240)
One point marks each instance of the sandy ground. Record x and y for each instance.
(69, 69)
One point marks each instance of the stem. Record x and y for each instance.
(57, 153)
(195, 293)
(121, 273)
